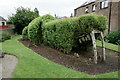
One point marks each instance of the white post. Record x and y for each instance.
(0, 65)
(103, 47)
(0, 54)
(94, 46)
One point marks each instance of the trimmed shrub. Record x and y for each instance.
(87, 23)
(5, 36)
(35, 27)
(32, 29)
(47, 18)
(113, 37)
(25, 33)
(63, 34)
(102, 22)
(60, 34)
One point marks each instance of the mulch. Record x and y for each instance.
(83, 63)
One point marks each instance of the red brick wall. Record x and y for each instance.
(7, 29)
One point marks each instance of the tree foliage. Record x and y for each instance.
(22, 18)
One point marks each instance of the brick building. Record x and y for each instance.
(108, 8)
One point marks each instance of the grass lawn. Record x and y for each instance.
(32, 65)
(109, 46)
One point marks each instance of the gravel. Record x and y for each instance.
(7, 66)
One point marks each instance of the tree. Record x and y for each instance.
(36, 10)
(22, 18)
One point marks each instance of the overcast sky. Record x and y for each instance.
(58, 7)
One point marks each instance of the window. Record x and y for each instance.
(86, 10)
(104, 4)
(93, 7)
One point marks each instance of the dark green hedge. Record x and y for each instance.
(34, 28)
(113, 37)
(4, 36)
(63, 34)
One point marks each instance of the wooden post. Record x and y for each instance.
(103, 47)
(94, 46)
(0, 54)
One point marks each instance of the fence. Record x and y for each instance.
(7, 29)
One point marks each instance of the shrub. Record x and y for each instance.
(5, 36)
(60, 34)
(63, 34)
(25, 33)
(35, 27)
(87, 23)
(102, 22)
(113, 37)
(22, 18)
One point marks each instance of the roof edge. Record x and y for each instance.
(84, 5)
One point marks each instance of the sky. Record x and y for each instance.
(58, 7)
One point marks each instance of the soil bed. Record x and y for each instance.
(84, 63)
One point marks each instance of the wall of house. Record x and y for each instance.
(119, 15)
(1, 22)
(115, 10)
(114, 16)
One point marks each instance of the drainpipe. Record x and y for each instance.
(109, 26)
(75, 12)
(118, 14)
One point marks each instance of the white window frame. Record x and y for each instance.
(104, 4)
(87, 10)
(93, 7)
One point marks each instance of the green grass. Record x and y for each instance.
(109, 46)
(32, 65)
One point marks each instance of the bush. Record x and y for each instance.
(22, 18)
(25, 33)
(102, 22)
(60, 34)
(35, 27)
(63, 34)
(86, 23)
(113, 37)
(5, 36)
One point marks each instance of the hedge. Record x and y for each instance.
(113, 37)
(60, 34)
(4, 36)
(25, 33)
(34, 28)
(63, 34)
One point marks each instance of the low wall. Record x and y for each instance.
(7, 30)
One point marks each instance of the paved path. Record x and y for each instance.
(7, 66)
